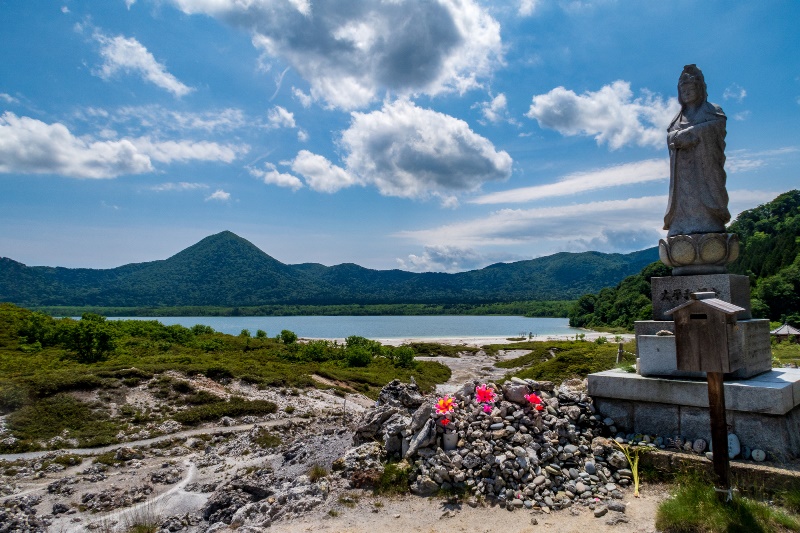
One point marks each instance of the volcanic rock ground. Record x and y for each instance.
(170, 480)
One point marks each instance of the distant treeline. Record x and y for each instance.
(558, 308)
(769, 237)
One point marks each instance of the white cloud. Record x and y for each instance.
(411, 152)
(615, 176)
(155, 119)
(129, 55)
(129, 3)
(7, 98)
(179, 186)
(553, 228)
(320, 174)
(352, 52)
(271, 176)
(734, 92)
(496, 110)
(451, 259)
(611, 115)
(746, 160)
(182, 151)
(742, 115)
(29, 146)
(279, 117)
(219, 195)
(612, 226)
(527, 7)
(304, 99)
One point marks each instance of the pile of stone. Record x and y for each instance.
(513, 454)
(19, 514)
(115, 498)
(255, 501)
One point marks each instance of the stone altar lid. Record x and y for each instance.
(775, 392)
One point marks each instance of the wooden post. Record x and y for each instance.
(619, 353)
(719, 434)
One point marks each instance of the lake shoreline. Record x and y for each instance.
(478, 342)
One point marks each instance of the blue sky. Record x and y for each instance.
(443, 135)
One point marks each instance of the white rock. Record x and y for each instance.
(734, 447)
(758, 455)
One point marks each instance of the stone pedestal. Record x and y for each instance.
(763, 411)
(670, 292)
(657, 356)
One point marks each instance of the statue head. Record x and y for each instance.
(691, 86)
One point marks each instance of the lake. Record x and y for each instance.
(379, 327)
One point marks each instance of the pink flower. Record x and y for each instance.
(445, 405)
(484, 394)
(487, 408)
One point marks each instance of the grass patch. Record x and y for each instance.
(317, 472)
(265, 439)
(572, 359)
(48, 417)
(433, 349)
(232, 408)
(694, 507)
(786, 352)
(394, 479)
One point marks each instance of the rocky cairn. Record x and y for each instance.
(533, 446)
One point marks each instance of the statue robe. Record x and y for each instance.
(698, 200)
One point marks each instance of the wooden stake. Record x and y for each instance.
(719, 434)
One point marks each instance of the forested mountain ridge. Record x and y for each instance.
(769, 237)
(227, 270)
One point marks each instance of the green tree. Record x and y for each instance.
(288, 337)
(261, 334)
(92, 338)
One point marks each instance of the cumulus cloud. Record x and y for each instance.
(451, 259)
(121, 54)
(611, 115)
(734, 92)
(496, 110)
(219, 195)
(179, 186)
(30, 146)
(411, 152)
(352, 52)
(271, 176)
(527, 7)
(304, 99)
(279, 117)
(320, 174)
(615, 176)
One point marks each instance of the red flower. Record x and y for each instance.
(445, 421)
(535, 400)
(484, 394)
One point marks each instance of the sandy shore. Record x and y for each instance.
(482, 341)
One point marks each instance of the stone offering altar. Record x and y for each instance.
(664, 398)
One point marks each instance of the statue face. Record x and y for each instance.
(689, 92)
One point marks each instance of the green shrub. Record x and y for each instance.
(265, 439)
(394, 479)
(357, 356)
(288, 337)
(233, 408)
(317, 472)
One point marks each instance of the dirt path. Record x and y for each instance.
(414, 514)
(473, 365)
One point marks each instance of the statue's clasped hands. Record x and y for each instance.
(685, 138)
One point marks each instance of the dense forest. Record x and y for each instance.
(224, 270)
(769, 238)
